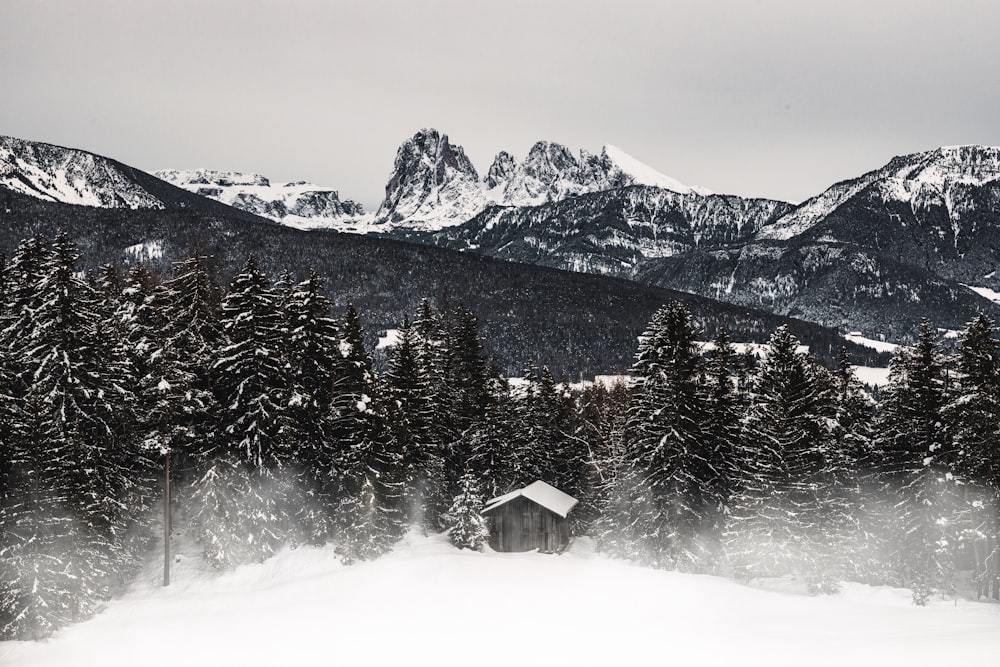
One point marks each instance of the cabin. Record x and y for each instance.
(534, 517)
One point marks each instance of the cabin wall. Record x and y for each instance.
(522, 525)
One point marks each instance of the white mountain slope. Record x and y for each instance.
(70, 176)
(297, 204)
(428, 603)
(908, 178)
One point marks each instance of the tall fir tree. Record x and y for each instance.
(972, 417)
(917, 468)
(665, 483)
(791, 511)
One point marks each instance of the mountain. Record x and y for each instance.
(73, 176)
(610, 231)
(297, 204)
(434, 186)
(574, 323)
(919, 237)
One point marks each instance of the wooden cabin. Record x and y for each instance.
(534, 517)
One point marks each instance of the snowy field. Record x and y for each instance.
(430, 604)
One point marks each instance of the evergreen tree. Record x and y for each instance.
(409, 388)
(666, 475)
(791, 512)
(972, 416)
(916, 467)
(75, 523)
(491, 443)
(314, 356)
(253, 384)
(467, 527)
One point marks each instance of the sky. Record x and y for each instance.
(768, 98)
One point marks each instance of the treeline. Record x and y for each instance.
(793, 470)
(280, 431)
(277, 428)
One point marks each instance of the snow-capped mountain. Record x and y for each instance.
(920, 179)
(70, 176)
(610, 231)
(297, 204)
(434, 186)
(918, 237)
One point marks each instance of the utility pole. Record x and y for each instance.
(166, 517)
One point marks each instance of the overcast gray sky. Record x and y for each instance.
(776, 98)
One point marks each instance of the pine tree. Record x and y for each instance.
(916, 467)
(491, 443)
(315, 359)
(254, 389)
(467, 527)
(409, 388)
(369, 530)
(972, 416)
(74, 525)
(791, 510)
(664, 485)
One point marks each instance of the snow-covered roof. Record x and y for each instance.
(541, 493)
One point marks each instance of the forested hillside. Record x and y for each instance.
(572, 323)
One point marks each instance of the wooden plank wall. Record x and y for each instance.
(522, 525)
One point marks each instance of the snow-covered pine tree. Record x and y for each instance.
(916, 467)
(75, 464)
(726, 448)
(313, 352)
(253, 385)
(791, 510)
(490, 443)
(369, 530)
(466, 381)
(467, 527)
(972, 415)
(368, 459)
(177, 374)
(853, 434)
(412, 419)
(664, 484)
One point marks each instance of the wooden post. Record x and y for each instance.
(166, 518)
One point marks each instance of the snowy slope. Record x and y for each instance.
(639, 173)
(297, 204)
(908, 178)
(70, 176)
(430, 604)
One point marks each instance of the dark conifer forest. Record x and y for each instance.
(280, 429)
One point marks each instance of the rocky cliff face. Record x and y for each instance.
(297, 204)
(611, 231)
(433, 185)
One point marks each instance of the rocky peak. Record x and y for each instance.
(501, 170)
(431, 179)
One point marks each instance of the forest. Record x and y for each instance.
(279, 429)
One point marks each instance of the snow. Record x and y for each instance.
(428, 603)
(544, 494)
(643, 174)
(759, 350)
(877, 345)
(873, 376)
(986, 293)
(390, 339)
(145, 251)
